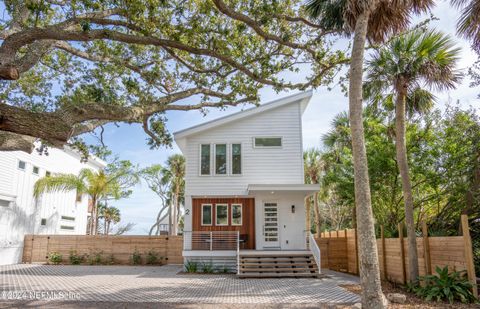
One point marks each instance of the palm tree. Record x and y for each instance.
(175, 175)
(381, 18)
(469, 23)
(98, 185)
(403, 67)
(109, 215)
(313, 167)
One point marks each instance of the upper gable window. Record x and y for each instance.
(221, 159)
(268, 142)
(21, 165)
(205, 159)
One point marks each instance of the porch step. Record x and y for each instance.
(270, 265)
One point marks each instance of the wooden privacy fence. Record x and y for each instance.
(339, 252)
(121, 248)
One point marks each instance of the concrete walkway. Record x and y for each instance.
(97, 286)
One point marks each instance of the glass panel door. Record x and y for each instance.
(270, 225)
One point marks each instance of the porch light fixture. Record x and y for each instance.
(293, 209)
(272, 192)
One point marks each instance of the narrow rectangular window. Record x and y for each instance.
(43, 222)
(221, 214)
(67, 227)
(4, 203)
(206, 214)
(221, 159)
(236, 159)
(35, 170)
(68, 218)
(205, 159)
(268, 142)
(21, 165)
(237, 214)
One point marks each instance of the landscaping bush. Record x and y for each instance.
(75, 259)
(191, 267)
(224, 269)
(95, 258)
(136, 258)
(445, 286)
(55, 258)
(152, 258)
(207, 268)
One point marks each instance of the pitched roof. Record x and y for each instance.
(303, 98)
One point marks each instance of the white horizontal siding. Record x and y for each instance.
(259, 165)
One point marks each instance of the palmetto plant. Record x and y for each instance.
(97, 185)
(403, 71)
(469, 23)
(381, 18)
(313, 166)
(109, 215)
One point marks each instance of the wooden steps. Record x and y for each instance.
(298, 265)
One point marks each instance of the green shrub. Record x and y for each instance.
(95, 258)
(55, 258)
(75, 259)
(152, 258)
(191, 267)
(224, 269)
(136, 258)
(110, 260)
(207, 268)
(445, 286)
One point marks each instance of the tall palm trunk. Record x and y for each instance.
(402, 161)
(93, 227)
(170, 219)
(372, 296)
(308, 215)
(318, 221)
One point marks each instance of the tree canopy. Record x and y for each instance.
(68, 67)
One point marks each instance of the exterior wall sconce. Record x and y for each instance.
(293, 209)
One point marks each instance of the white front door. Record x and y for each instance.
(270, 225)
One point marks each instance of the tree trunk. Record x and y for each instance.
(170, 222)
(105, 226)
(372, 296)
(318, 221)
(92, 216)
(308, 216)
(402, 161)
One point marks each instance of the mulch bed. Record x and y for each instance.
(413, 302)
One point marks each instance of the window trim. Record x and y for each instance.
(227, 154)
(216, 214)
(211, 214)
(18, 165)
(200, 160)
(241, 214)
(268, 147)
(231, 159)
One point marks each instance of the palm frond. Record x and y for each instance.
(469, 22)
(59, 183)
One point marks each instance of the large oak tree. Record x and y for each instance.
(69, 67)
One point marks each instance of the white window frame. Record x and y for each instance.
(211, 215)
(268, 147)
(21, 169)
(216, 214)
(241, 214)
(231, 159)
(227, 154)
(200, 160)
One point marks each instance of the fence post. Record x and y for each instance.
(426, 249)
(402, 252)
(467, 243)
(384, 253)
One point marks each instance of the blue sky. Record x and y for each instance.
(129, 141)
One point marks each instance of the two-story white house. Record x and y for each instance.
(52, 213)
(245, 191)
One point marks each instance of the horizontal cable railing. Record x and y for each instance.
(211, 241)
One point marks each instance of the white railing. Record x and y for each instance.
(313, 246)
(211, 241)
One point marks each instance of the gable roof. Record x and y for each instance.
(303, 98)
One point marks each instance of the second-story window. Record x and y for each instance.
(221, 159)
(264, 142)
(236, 159)
(205, 159)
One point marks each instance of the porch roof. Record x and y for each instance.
(307, 189)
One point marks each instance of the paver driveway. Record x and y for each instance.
(150, 284)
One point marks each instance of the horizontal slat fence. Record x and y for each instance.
(37, 247)
(452, 251)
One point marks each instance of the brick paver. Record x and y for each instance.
(136, 284)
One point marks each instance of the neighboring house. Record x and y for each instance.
(52, 213)
(244, 188)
